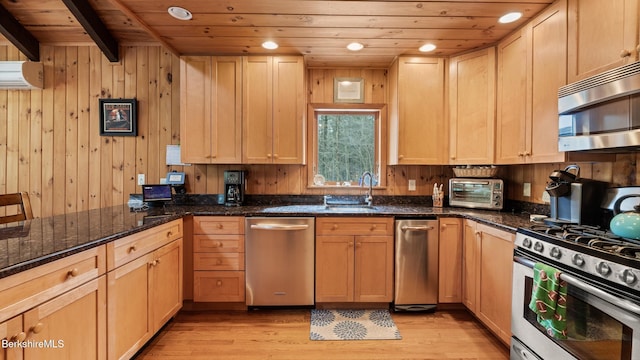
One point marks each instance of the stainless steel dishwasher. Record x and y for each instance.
(416, 266)
(280, 261)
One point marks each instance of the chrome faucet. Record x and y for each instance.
(369, 196)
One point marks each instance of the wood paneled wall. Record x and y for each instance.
(49, 139)
(50, 144)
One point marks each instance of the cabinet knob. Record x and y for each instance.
(169, 234)
(219, 283)
(19, 337)
(220, 244)
(269, 156)
(37, 328)
(520, 153)
(219, 226)
(442, 226)
(132, 248)
(155, 262)
(73, 272)
(275, 156)
(400, 157)
(334, 227)
(373, 227)
(453, 157)
(625, 53)
(219, 262)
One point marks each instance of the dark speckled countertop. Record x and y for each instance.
(24, 245)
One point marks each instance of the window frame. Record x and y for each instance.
(381, 139)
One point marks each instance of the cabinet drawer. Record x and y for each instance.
(123, 250)
(354, 226)
(218, 243)
(218, 261)
(221, 286)
(218, 225)
(32, 287)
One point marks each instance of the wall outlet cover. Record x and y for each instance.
(412, 185)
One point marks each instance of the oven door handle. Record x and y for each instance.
(571, 280)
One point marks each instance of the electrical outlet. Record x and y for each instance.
(545, 197)
(526, 190)
(140, 179)
(412, 185)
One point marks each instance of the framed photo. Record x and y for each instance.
(348, 90)
(118, 117)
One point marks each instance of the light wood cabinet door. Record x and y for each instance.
(373, 269)
(472, 107)
(73, 325)
(129, 323)
(211, 109)
(166, 283)
(495, 273)
(469, 264)
(11, 331)
(511, 144)
(547, 73)
(602, 35)
(289, 130)
(417, 120)
(273, 110)
(334, 268)
(450, 261)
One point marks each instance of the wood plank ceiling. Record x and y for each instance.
(317, 29)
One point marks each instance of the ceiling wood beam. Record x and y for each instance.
(94, 26)
(18, 35)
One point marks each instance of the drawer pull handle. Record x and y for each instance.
(219, 283)
(19, 337)
(169, 233)
(73, 272)
(37, 328)
(132, 248)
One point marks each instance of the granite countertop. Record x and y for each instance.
(27, 244)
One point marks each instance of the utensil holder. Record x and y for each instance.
(437, 200)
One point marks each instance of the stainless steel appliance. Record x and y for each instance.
(234, 187)
(574, 200)
(603, 302)
(280, 261)
(601, 112)
(416, 265)
(476, 193)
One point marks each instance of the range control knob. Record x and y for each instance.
(538, 246)
(628, 277)
(556, 253)
(603, 269)
(526, 243)
(577, 260)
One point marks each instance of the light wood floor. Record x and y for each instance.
(284, 334)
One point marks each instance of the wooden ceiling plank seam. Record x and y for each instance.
(18, 35)
(133, 16)
(93, 25)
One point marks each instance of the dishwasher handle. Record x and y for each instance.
(416, 228)
(279, 227)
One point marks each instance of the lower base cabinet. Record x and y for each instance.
(487, 273)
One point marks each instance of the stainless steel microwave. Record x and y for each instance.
(601, 112)
(476, 193)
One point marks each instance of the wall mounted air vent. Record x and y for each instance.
(21, 75)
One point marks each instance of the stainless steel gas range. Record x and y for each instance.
(602, 272)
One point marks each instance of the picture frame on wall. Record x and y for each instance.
(118, 117)
(348, 90)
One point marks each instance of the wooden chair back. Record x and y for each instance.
(21, 200)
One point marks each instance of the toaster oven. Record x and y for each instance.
(476, 193)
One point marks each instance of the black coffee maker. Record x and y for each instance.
(234, 187)
(574, 200)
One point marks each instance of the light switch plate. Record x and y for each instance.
(412, 185)
(526, 190)
(140, 179)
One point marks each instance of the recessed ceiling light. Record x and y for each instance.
(427, 47)
(510, 17)
(269, 45)
(355, 46)
(180, 13)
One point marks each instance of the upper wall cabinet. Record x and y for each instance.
(472, 107)
(417, 111)
(602, 35)
(531, 68)
(273, 110)
(210, 109)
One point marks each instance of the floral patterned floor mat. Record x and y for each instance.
(352, 325)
